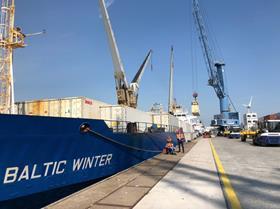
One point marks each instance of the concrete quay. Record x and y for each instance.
(187, 180)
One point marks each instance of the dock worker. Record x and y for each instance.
(169, 147)
(180, 139)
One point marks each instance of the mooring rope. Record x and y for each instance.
(122, 144)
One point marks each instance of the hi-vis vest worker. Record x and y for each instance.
(178, 135)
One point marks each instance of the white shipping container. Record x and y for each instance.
(165, 119)
(74, 107)
(65, 107)
(54, 106)
(123, 113)
(118, 116)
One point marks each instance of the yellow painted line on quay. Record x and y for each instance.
(229, 192)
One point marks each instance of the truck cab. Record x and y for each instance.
(269, 130)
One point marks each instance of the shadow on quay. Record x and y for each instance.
(250, 187)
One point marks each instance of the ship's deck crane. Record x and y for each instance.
(11, 37)
(126, 94)
(171, 102)
(226, 118)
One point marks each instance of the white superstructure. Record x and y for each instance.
(191, 125)
(250, 120)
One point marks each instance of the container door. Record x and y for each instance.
(20, 108)
(157, 119)
(105, 114)
(33, 108)
(119, 118)
(54, 108)
(76, 108)
(43, 108)
(118, 113)
(66, 108)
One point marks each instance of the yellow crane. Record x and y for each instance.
(11, 37)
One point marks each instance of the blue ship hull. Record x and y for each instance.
(40, 154)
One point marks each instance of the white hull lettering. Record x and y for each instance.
(59, 169)
(37, 171)
(77, 163)
(33, 174)
(10, 175)
(94, 161)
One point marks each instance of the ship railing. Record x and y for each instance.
(138, 127)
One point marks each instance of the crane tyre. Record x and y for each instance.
(243, 138)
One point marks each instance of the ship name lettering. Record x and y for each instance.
(89, 162)
(14, 174)
(56, 168)
(35, 171)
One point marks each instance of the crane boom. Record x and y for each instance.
(215, 72)
(134, 85)
(203, 40)
(142, 68)
(171, 73)
(121, 81)
(126, 94)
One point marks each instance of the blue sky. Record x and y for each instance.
(73, 58)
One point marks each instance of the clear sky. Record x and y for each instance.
(73, 58)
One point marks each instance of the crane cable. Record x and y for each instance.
(193, 54)
(231, 103)
(151, 61)
(215, 49)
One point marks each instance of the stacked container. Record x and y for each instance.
(71, 107)
(165, 119)
(117, 117)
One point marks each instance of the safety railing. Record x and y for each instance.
(138, 127)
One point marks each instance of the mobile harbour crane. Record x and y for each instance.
(216, 73)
